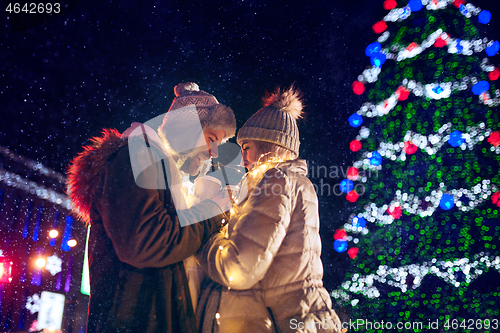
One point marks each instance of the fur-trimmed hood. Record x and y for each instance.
(84, 169)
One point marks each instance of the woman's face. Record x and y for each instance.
(250, 154)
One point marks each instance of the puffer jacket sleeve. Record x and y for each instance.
(242, 260)
(145, 230)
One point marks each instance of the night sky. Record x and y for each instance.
(110, 63)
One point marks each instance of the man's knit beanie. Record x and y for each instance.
(180, 130)
(210, 113)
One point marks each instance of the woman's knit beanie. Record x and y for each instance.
(276, 122)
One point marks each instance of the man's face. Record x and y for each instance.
(213, 139)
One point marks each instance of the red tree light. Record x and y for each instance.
(410, 148)
(494, 138)
(5, 270)
(352, 196)
(352, 173)
(390, 4)
(457, 3)
(379, 27)
(412, 46)
(402, 93)
(395, 211)
(440, 42)
(340, 234)
(495, 198)
(353, 252)
(494, 74)
(355, 145)
(358, 87)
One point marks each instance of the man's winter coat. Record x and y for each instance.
(269, 266)
(136, 245)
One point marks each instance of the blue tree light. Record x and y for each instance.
(459, 46)
(463, 10)
(484, 17)
(376, 158)
(358, 222)
(492, 48)
(415, 5)
(340, 245)
(346, 186)
(373, 48)
(456, 139)
(480, 87)
(406, 12)
(438, 89)
(355, 120)
(447, 201)
(377, 59)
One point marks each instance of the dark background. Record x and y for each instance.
(109, 63)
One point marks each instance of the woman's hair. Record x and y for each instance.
(272, 151)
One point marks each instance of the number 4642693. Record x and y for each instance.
(33, 8)
(471, 324)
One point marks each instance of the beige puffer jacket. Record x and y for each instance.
(269, 265)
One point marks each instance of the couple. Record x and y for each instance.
(264, 267)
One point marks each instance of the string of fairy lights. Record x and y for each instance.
(400, 14)
(435, 90)
(17, 181)
(33, 165)
(438, 198)
(430, 144)
(411, 203)
(397, 277)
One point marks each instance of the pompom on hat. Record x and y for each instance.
(189, 93)
(276, 122)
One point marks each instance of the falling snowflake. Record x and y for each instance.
(53, 264)
(33, 303)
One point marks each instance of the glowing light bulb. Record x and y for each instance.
(53, 233)
(72, 243)
(221, 247)
(40, 262)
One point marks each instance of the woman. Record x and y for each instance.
(268, 266)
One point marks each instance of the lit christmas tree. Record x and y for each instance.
(424, 236)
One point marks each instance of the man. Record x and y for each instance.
(129, 188)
